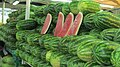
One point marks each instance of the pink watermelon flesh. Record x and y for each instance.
(59, 24)
(76, 25)
(46, 24)
(67, 25)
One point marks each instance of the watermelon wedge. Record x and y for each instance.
(59, 24)
(46, 24)
(67, 25)
(76, 25)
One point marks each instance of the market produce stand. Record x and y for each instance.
(75, 34)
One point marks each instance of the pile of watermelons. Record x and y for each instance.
(76, 34)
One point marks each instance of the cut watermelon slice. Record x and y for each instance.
(46, 23)
(67, 25)
(76, 25)
(59, 24)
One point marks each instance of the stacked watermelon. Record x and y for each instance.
(75, 34)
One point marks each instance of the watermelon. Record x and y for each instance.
(58, 7)
(48, 55)
(46, 23)
(52, 43)
(115, 57)
(8, 60)
(101, 20)
(111, 34)
(26, 24)
(73, 45)
(75, 62)
(49, 9)
(67, 25)
(59, 24)
(23, 34)
(84, 51)
(76, 25)
(102, 51)
(74, 7)
(88, 7)
(59, 59)
(66, 8)
(33, 39)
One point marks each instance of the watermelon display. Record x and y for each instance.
(64, 34)
(46, 23)
(67, 25)
(76, 25)
(59, 24)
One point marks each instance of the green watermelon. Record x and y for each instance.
(101, 20)
(84, 53)
(75, 62)
(111, 34)
(48, 55)
(58, 7)
(88, 7)
(8, 60)
(49, 9)
(115, 60)
(33, 39)
(23, 34)
(58, 59)
(74, 7)
(66, 9)
(52, 43)
(43, 37)
(102, 51)
(26, 24)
